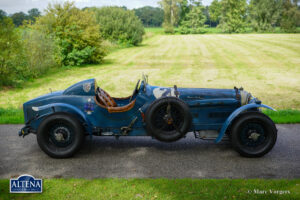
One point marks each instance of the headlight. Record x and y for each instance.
(245, 97)
(35, 108)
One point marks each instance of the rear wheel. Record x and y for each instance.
(253, 134)
(60, 135)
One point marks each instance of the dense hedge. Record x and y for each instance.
(24, 53)
(75, 31)
(119, 25)
(65, 35)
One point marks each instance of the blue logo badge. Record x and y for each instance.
(89, 107)
(25, 184)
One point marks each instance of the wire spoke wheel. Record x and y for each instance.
(60, 135)
(168, 119)
(168, 122)
(253, 134)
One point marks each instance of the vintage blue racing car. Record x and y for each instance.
(62, 119)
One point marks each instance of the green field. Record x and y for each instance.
(267, 65)
(164, 189)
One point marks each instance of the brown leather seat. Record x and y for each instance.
(121, 108)
(105, 100)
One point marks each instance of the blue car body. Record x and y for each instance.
(211, 109)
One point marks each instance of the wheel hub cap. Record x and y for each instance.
(254, 136)
(168, 119)
(61, 134)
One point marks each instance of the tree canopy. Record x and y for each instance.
(119, 25)
(171, 14)
(76, 32)
(150, 16)
(33, 14)
(11, 62)
(194, 19)
(233, 15)
(264, 14)
(18, 18)
(2, 14)
(290, 15)
(215, 11)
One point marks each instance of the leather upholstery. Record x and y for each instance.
(106, 101)
(121, 108)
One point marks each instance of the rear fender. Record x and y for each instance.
(66, 108)
(235, 114)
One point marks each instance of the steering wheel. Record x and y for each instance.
(135, 91)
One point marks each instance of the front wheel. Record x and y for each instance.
(253, 134)
(60, 135)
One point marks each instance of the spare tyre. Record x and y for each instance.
(168, 119)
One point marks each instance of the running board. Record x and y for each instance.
(209, 135)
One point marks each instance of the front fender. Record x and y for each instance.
(235, 114)
(62, 107)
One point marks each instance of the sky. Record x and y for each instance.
(12, 6)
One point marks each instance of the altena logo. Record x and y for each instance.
(25, 184)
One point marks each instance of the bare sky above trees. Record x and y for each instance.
(12, 6)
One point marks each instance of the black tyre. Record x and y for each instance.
(168, 119)
(253, 134)
(60, 135)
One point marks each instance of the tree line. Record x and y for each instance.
(63, 36)
(150, 16)
(231, 16)
(191, 16)
(19, 17)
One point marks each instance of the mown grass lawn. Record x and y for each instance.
(165, 189)
(267, 65)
